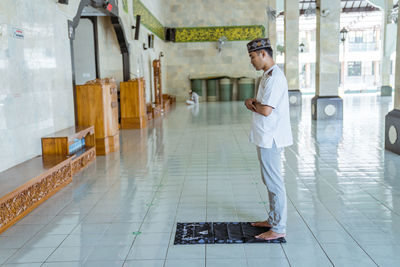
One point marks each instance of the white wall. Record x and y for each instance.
(142, 60)
(186, 60)
(36, 95)
(84, 52)
(110, 57)
(36, 81)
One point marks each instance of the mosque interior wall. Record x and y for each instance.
(194, 59)
(36, 80)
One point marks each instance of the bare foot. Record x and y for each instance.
(261, 224)
(270, 235)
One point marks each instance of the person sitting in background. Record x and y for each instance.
(194, 98)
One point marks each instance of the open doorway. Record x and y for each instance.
(99, 46)
(85, 47)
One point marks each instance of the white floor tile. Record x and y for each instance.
(147, 252)
(343, 194)
(33, 255)
(144, 263)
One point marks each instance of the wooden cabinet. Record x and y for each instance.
(158, 104)
(133, 104)
(77, 143)
(97, 104)
(157, 82)
(166, 102)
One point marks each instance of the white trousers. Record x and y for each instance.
(270, 162)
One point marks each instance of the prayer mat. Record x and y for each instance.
(220, 233)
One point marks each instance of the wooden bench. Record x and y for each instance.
(27, 185)
(153, 111)
(157, 111)
(30, 183)
(166, 102)
(62, 143)
(149, 111)
(172, 99)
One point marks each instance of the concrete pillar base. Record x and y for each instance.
(392, 131)
(327, 132)
(295, 113)
(386, 90)
(295, 97)
(327, 108)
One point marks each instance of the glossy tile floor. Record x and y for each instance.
(197, 165)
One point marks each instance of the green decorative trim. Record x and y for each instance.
(148, 19)
(196, 34)
(125, 6)
(212, 34)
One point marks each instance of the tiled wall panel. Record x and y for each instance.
(36, 81)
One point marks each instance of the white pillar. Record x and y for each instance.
(397, 73)
(291, 34)
(327, 104)
(327, 41)
(308, 75)
(386, 89)
(392, 119)
(271, 31)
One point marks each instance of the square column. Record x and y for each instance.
(292, 50)
(327, 104)
(392, 119)
(271, 27)
(386, 89)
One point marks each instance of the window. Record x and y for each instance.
(351, 36)
(358, 37)
(368, 68)
(280, 38)
(354, 68)
(369, 36)
(373, 68)
(392, 67)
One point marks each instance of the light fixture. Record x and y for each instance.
(343, 34)
(325, 12)
(394, 15)
(271, 13)
(309, 11)
(144, 46)
(161, 54)
(221, 42)
(301, 47)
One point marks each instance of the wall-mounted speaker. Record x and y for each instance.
(170, 34)
(137, 27)
(150, 40)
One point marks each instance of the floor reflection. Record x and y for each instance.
(196, 164)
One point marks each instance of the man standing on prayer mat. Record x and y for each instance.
(270, 132)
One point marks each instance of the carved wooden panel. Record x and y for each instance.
(157, 81)
(27, 197)
(83, 160)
